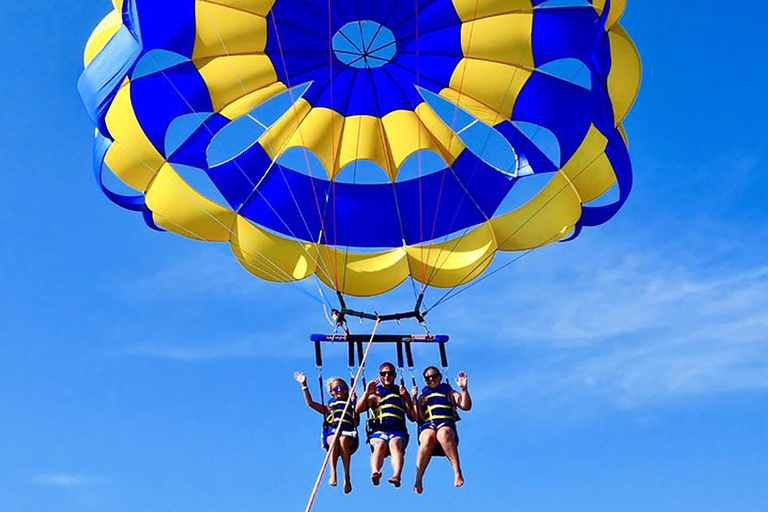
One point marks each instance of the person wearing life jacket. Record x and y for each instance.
(437, 413)
(347, 442)
(391, 405)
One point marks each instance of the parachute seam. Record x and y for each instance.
(306, 156)
(287, 277)
(384, 140)
(273, 163)
(335, 150)
(568, 184)
(450, 143)
(229, 229)
(474, 170)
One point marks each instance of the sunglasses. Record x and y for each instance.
(338, 389)
(387, 373)
(432, 377)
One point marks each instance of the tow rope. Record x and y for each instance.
(343, 414)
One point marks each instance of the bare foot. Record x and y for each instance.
(417, 487)
(395, 480)
(332, 480)
(347, 487)
(459, 480)
(376, 478)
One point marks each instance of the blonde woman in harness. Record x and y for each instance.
(437, 410)
(391, 405)
(346, 442)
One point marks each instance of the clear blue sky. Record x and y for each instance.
(627, 371)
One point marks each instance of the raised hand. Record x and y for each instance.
(370, 388)
(415, 391)
(462, 381)
(300, 378)
(403, 392)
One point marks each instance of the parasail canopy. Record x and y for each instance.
(361, 141)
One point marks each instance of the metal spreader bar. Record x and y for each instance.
(380, 338)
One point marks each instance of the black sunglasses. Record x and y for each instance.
(387, 373)
(431, 377)
(337, 389)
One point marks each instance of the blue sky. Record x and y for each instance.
(625, 371)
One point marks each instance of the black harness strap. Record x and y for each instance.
(409, 358)
(351, 354)
(443, 358)
(400, 361)
(318, 355)
(319, 366)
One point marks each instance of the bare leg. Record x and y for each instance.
(447, 439)
(346, 454)
(427, 440)
(397, 452)
(334, 448)
(377, 460)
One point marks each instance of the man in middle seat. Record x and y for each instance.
(391, 405)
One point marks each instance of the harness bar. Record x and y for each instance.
(380, 338)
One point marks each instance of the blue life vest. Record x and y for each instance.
(438, 404)
(390, 413)
(335, 410)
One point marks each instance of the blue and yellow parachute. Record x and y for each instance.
(364, 141)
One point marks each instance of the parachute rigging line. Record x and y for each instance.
(294, 100)
(387, 150)
(511, 81)
(278, 275)
(306, 155)
(354, 178)
(326, 305)
(287, 277)
(343, 414)
(207, 93)
(567, 185)
(425, 282)
(485, 145)
(419, 163)
(446, 296)
(321, 214)
(335, 153)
